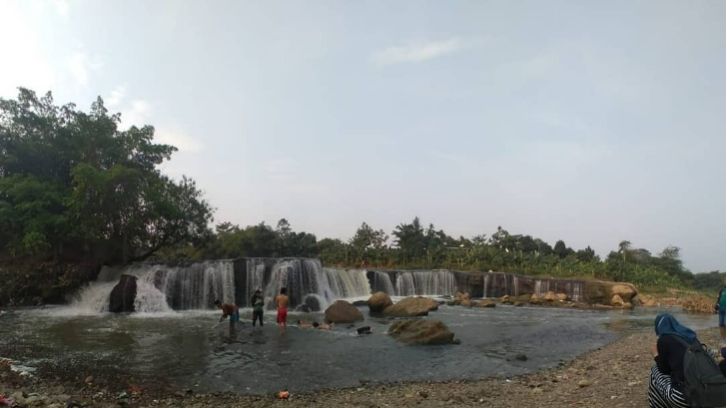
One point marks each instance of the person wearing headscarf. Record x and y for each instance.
(666, 385)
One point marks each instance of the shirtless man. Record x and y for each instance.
(281, 301)
(228, 310)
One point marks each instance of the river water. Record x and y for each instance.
(187, 349)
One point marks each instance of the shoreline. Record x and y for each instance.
(614, 375)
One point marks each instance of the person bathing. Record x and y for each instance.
(281, 302)
(228, 309)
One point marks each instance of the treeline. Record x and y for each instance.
(411, 245)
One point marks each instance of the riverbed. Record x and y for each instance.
(189, 350)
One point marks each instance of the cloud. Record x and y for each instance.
(139, 112)
(24, 61)
(177, 139)
(415, 53)
(62, 7)
(80, 65)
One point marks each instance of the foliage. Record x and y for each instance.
(74, 186)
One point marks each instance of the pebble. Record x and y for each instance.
(584, 383)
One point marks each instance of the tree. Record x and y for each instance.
(73, 185)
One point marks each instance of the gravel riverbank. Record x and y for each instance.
(613, 376)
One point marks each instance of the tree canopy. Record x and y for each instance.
(74, 186)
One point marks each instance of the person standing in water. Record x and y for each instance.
(258, 303)
(281, 302)
(230, 310)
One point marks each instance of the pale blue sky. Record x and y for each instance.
(587, 121)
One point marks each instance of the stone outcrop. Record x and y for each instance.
(412, 306)
(378, 302)
(421, 331)
(342, 312)
(484, 303)
(602, 292)
(123, 294)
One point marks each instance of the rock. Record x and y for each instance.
(561, 297)
(625, 290)
(617, 301)
(485, 303)
(461, 297)
(524, 298)
(88, 379)
(411, 306)
(506, 300)
(584, 383)
(644, 300)
(465, 303)
(123, 294)
(421, 331)
(378, 302)
(518, 303)
(342, 312)
(535, 300)
(521, 357)
(550, 296)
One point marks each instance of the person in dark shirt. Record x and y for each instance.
(666, 385)
(258, 303)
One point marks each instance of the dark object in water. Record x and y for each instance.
(364, 330)
(123, 294)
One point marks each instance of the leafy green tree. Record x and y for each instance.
(73, 185)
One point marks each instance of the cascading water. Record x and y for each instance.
(440, 282)
(498, 284)
(163, 288)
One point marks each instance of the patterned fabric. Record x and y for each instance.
(661, 392)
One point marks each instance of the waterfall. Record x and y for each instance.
(497, 284)
(163, 288)
(439, 282)
(380, 282)
(307, 278)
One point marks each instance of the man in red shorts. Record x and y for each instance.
(281, 301)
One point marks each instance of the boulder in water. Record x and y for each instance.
(485, 303)
(412, 306)
(342, 312)
(462, 298)
(123, 294)
(562, 297)
(421, 331)
(378, 302)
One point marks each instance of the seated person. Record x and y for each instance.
(666, 385)
(304, 324)
(322, 326)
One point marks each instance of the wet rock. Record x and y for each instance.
(411, 306)
(123, 294)
(561, 297)
(521, 357)
(378, 302)
(342, 312)
(617, 301)
(461, 297)
(485, 303)
(421, 332)
(506, 300)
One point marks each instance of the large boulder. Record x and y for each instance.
(342, 312)
(485, 303)
(550, 296)
(412, 306)
(421, 331)
(123, 294)
(378, 302)
(602, 292)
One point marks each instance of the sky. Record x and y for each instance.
(587, 121)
